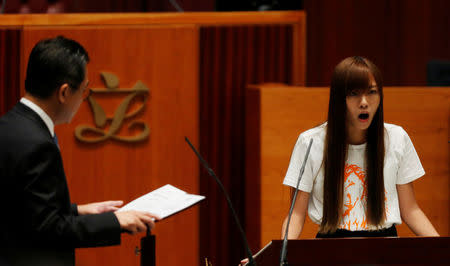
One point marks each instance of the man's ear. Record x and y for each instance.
(63, 93)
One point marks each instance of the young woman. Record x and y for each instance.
(358, 178)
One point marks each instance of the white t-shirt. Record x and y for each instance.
(402, 165)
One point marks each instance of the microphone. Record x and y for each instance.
(251, 261)
(283, 256)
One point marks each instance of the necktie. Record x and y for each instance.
(55, 140)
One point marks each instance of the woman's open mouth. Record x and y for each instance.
(363, 117)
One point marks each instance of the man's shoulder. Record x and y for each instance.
(16, 129)
(14, 121)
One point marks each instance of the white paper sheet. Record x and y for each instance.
(163, 201)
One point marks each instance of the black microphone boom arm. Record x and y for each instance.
(251, 261)
(283, 255)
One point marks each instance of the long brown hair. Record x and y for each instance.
(352, 73)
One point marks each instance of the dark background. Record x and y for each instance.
(400, 36)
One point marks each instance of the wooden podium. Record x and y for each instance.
(363, 251)
(277, 114)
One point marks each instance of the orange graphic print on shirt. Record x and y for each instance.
(355, 199)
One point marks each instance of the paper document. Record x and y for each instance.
(163, 201)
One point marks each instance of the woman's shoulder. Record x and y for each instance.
(317, 133)
(394, 130)
(396, 136)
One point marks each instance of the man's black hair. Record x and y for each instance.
(54, 62)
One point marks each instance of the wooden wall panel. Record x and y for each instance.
(165, 60)
(285, 112)
(192, 18)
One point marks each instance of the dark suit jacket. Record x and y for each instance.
(38, 224)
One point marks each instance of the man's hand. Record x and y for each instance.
(99, 207)
(135, 221)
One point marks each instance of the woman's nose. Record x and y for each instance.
(363, 102)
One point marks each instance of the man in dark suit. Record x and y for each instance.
(39, 225)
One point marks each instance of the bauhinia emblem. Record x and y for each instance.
(101, 132)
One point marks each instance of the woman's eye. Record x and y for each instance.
(373, 91)
(353, 93)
